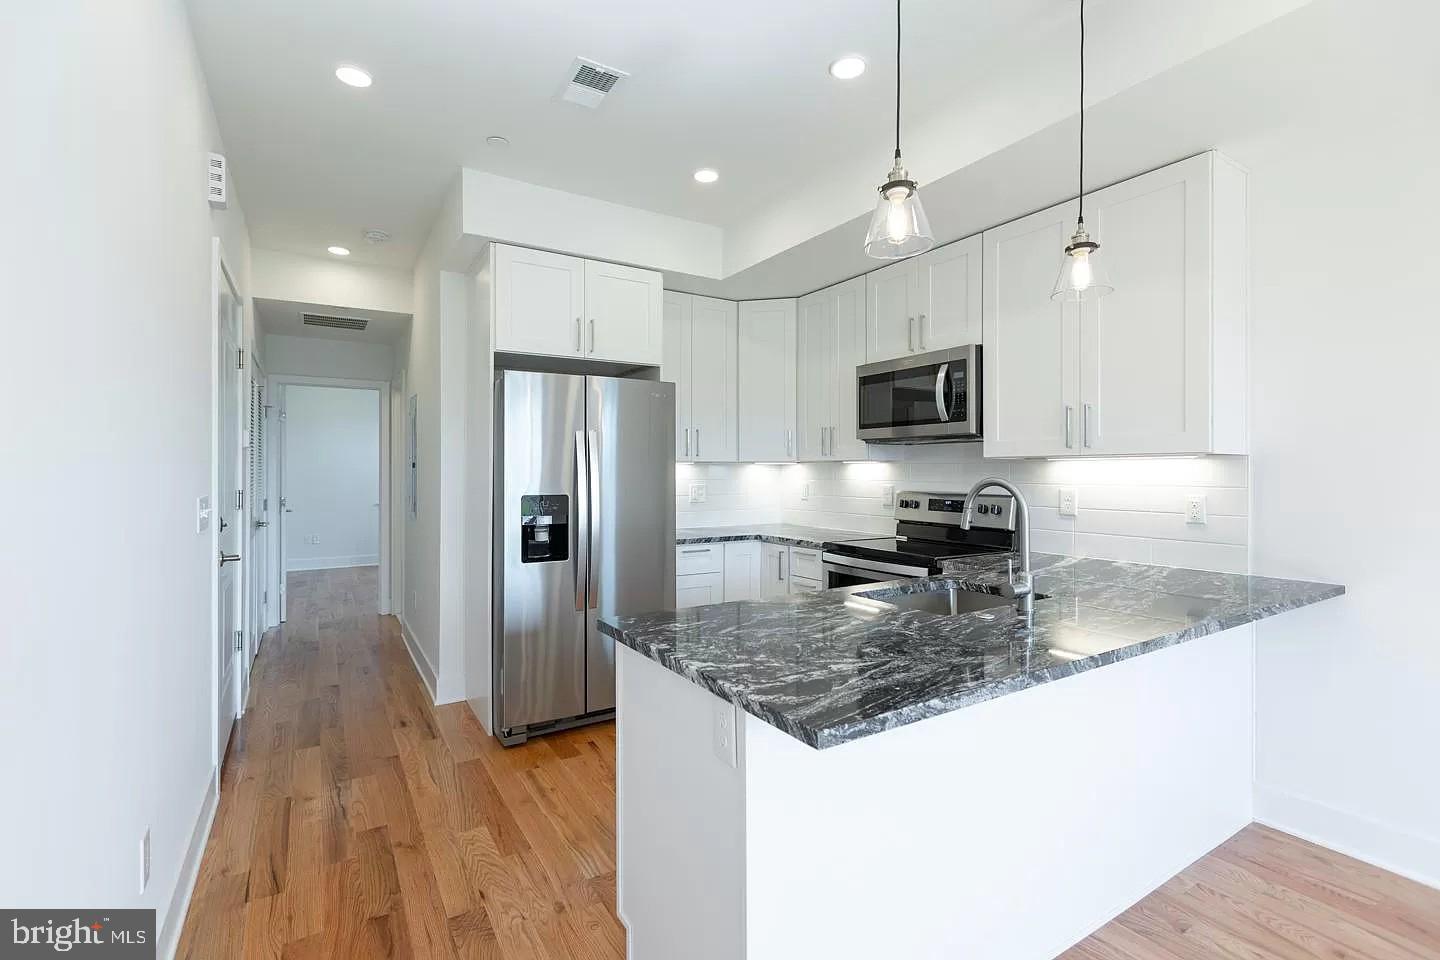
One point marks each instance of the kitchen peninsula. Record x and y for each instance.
(843, 774)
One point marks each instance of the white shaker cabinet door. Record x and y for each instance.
(675, 365)
(539, 302)
(815, 376)
(1145, 348)
(892, 328)
(766, 380)
(774, 570)
(947, 295)
(622, 313)
(1031, 390)
(848, 310)
(743, 574)
(699, 589)
(712, 364)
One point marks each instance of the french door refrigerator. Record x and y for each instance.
(584, 528)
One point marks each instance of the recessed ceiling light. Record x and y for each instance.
(706, 175)
(497, 141)
(339, 251)
(352, 75)
(847, 68)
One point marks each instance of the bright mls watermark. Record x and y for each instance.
(117, 934)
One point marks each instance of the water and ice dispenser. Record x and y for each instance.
(544, 528)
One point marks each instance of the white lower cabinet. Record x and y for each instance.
(699, 589)
(1156, 367)
(743, 570)
(805, 585)
(774, 570)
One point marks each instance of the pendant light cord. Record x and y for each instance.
(1081, 218)
(897, 79)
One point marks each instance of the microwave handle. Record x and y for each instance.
(940, 378)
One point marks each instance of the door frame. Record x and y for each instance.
(276, 384)
(221, 273)
(255, 585)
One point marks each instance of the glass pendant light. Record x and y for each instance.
(1082, 272)
(899, 227)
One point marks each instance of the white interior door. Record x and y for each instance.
(282, 515)
(228, 511)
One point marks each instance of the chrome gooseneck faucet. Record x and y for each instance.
(1024, 590)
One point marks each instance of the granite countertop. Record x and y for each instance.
(790, 534)
(838, 665)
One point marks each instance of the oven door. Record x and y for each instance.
(843, 571)
(930, 396)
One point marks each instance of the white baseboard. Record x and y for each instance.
(423, 666)
(295, 564)
(169, 940)
(1408, 854)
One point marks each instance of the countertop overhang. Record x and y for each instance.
(828, 672)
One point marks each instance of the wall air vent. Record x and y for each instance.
(589, 82)
(219, 187)
(336, 323)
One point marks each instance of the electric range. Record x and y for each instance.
(927, 533)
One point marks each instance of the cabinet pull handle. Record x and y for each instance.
(832, 441)
(592, 334)
(687, 441)
(697, 441)
(779, 571)
(1069, 426)
(922, 331)
(787, 443)
(911, 345)
(822, 441)
(1085, 428)
(701, 550)
(579, 337)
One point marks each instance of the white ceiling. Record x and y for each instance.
(740, 86)
(283, 317)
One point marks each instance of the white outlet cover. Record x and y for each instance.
(724, 732)
(1195, 510)
(1069, 501)
(805, 490)
(887, 494)
(698, 492)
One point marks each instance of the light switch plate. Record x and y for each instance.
(697, 491)
(1069, 501)
(805, 490)
(1195, 510)
(724, 731)
(202, 514)
(887, 494)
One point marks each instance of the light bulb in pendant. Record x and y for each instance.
(1082, 272)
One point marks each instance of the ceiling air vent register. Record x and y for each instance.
(336, 323)
(589, 82)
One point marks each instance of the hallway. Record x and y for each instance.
(356, 820)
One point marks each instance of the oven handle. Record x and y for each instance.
(832, 563)
(941, 405)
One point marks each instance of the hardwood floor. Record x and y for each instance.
(357, 820)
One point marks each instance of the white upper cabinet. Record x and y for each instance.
(831, 344)
(559, 306)
(623, 306)
(766, 381)
(700, 344)
(928, 302)
(675, 367)
(539, 302)
(1156, 367)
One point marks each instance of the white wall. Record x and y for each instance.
(320, 357)
(332, 477)
(1343, 398)
(340, 283)
(105, 667)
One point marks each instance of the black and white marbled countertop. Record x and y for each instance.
(835, 666)
(790, 534)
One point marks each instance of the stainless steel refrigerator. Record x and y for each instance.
(584, 527)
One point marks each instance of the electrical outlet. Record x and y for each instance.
(145, 860)
(724, 728)
(315, 539)
(887, 494)
(698, 492)
(1069, 501)
(1195, 510)
(805, 490)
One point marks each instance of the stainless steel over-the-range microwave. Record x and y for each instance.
(923, 398)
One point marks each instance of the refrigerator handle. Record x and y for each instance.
(581, 562)
(594, 511)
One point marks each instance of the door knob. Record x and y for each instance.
(228, 558)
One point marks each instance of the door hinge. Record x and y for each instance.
(239, 641)
(240, 358)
